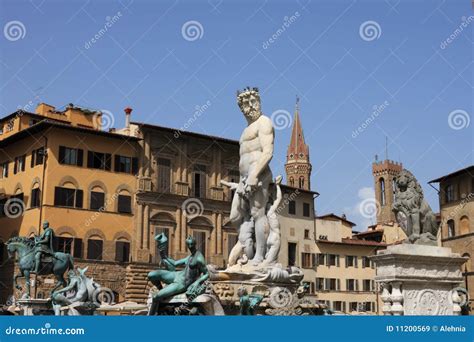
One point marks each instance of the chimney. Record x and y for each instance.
(127, 111)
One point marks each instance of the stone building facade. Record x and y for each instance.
(334, 260)
(59, 166)
(456, 202)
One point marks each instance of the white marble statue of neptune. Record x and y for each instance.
(256, 151)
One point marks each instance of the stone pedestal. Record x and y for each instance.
(34, 307)
(419, 280)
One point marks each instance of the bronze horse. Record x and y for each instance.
(25, 248)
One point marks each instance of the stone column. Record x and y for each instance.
(177, 231)
(385, 297)
(146, 230)
(219, 234)
(184, 233)
(147, 155)
(396, 298)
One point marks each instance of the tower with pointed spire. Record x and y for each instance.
(298, 167)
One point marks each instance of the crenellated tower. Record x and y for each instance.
(384, 173)
(298, 167)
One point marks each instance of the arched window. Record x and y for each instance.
(163, 223)
(201, 229)
(67, 243)
(35, 199)
(122, 250)
(451, 230)
(467, 265)
(124, 202)
(464, 225)
(95, 246)
(301, 185)
(382, 191)
(292, 182)
(97, 199)
(68, 195)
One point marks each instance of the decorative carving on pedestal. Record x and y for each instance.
(419, 280)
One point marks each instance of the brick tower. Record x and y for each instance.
(384, 173)
(298, 167)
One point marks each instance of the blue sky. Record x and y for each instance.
(402, 65)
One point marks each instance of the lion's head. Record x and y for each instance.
(405, 181)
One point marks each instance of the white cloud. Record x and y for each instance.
(364, 212)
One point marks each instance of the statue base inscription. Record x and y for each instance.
(419, 280)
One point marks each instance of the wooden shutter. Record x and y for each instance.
(39, 156)
(33, 158)
(119, 251)
(134, 166)
(116, 163)
(108, 161)
(57, 195)
(77, 251)
(356, 262)
(62, 154)
(90, 159)
(80, 157)
(79, 198)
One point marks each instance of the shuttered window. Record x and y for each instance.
(200, 238)
(164, 175)
(122, 251)
(199, 181)
(94, 249)
(97, 160)
(125, 164)
(97, 200)
(65, 197)
(70, 156)
(124, 204)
